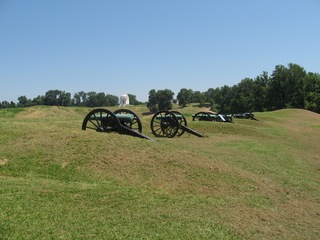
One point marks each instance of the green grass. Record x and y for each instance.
(247, 180)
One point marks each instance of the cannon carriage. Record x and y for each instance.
(208, 116)
(123, 121)
(170, 124)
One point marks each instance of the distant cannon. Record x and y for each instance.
(170, 124)
(245, 116)
(208, 116)
(122, 121)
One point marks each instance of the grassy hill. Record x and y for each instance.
(247, 180)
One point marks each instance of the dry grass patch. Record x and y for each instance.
(3, 161)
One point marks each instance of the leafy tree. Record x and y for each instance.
(243, 96)
(209, 94)
(222, 99)
(5, 104)
(57, 98)
(152, 101)
(39, 100)
(80, 99)
(164, 99)
(101, 99)
(12, 104)
(286, 87)
(133, 99)
(50, 97)
(184, 97)
(23, 101)
(260, 92)
(76, 100)
(92, 99)
(312, 92)
(199, 97)
(111, 100)
(160, 100)
(64, 98)
(296, 80)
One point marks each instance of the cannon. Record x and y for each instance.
(170, 124)
(208, 116)
(245, 116)
(122, 121)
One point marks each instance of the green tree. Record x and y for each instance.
(312, 92)
(222, 98)
(160, 100)
(286, 87)
(152, 101)
(198, 97)
(39, 100)
(111, 100)
(133, 99)
(260, 92)
(243, 96)
(51, 97)
(209, 94)
(164, 99)
(23, 101)
(92, 100)
(80, 99)
(5, 104)
(63, 98)
(184, 97)
(296, 80)
(101, 99)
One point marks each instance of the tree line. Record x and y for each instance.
(286, 87)
(62, 98)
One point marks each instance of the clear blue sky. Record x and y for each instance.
(133, 46)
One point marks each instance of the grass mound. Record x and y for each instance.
(246, 180)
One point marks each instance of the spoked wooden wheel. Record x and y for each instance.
(101, 120)
(134, 121)
(164, 124)
(182, 122)
(202, 116)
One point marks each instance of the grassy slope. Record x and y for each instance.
(251, 179)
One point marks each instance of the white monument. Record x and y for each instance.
(124, 100)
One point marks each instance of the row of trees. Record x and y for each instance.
(286, 87)
(62, 98)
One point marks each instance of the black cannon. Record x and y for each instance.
(245, 116)
(208, 116)
(169, 124)
(122, 121)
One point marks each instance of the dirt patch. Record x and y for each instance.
(3, 161)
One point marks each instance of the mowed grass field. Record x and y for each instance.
(247, 180)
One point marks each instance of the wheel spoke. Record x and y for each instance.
(97, 127)
(95, 117)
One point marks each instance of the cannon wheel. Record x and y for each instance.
(101, 120)
(182, 122)
(202, 116)
(135, 124)
(164, 124)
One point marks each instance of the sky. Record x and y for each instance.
(133, 46)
